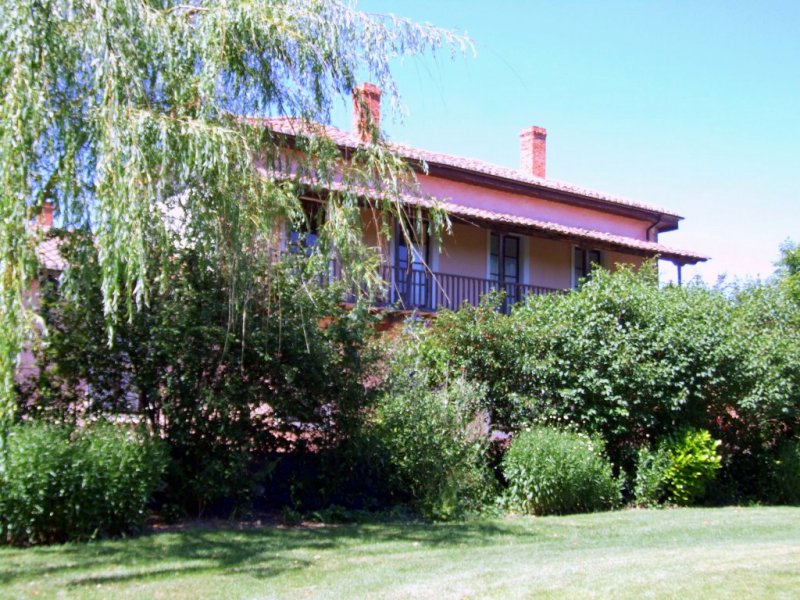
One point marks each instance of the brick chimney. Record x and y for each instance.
(44, 219)
(533, 151)
(367, 111)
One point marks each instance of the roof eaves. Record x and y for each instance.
(557, 230)
(529, 225)
(549, 192)
(487, 172)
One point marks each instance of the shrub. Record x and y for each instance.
(63, 484)
(221, 393)
(693, 464)
(558, 472)
(679, 470)
(649, 487)
(630, 360)
(620, 357)
(787, 473)
(291, 517)
(435, 446)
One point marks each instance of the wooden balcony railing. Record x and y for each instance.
(430, 291)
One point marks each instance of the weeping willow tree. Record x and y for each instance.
(127, 115)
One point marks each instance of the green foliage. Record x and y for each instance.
(679, 470)
(550, 471)
(789, 269)
(649, 488)
(63, 484)
(787, 473)
(291, 517)
(334, 514)
(618, 356)
(434, 445)
(762, 408)
(693, 464)
(632, 361)
(129, 116)
(221, 394)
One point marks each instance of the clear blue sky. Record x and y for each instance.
(692, 106)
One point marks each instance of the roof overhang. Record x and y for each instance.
(597, 240)
(550, 230)
(489, 176)
(666, 221)
(502, 179)
(497, 221)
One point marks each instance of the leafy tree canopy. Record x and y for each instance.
(789, 268)
(128, 115)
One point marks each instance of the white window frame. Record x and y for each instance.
(587, 249)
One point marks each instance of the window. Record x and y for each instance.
(304, 238)
(583, 262)
(412, 276)
(504, 263)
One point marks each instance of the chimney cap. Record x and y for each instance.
(368, 88)
(533, 130)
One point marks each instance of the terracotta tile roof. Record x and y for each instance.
(295, 126)
(568, 232)
(526, 224)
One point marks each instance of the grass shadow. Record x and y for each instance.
(263, 552)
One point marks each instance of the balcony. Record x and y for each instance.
(427, 291)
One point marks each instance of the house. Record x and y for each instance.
(513, 229)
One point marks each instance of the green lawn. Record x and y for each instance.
(700, 553)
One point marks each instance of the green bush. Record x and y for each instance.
(787, 473)
(61, 484)
(435, 446)
(693, 464)
(679, 470)
(649, 488)
(631, 360)
(558, 472)
(221, 393)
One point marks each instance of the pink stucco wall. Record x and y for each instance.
(613, 259)
(464, 251)
(535, 208)
(375, 232)
(550, 263)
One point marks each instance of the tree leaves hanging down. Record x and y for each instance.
(122, 111)
(289, 372)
